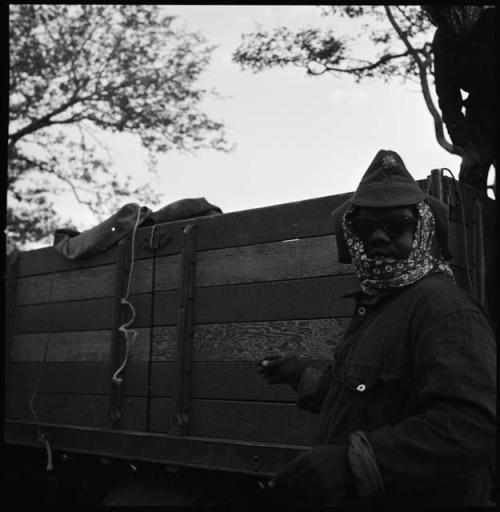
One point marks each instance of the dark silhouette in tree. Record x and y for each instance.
(401, 35)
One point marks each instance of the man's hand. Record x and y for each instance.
(471, 163)
(279, 369)
(320, 476)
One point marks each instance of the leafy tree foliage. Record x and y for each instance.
(79, 72)
(400, 39)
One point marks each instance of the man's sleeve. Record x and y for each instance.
(454, 432)
(448, 92)
(312, 388)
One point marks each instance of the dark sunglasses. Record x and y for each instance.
(394, 226)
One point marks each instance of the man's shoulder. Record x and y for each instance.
(441, 295)
(436, 299)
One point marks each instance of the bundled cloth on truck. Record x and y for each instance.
(72, 244)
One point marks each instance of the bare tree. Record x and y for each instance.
(80, 71)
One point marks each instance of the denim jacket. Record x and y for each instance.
(412, 391)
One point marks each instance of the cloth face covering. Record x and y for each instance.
(385, 274)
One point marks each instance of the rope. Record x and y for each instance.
(45, 440)
(464, 228)
(128, 334)
(42, 436)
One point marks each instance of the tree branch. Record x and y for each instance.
(368, 67)
(40, 123)
(49, 170)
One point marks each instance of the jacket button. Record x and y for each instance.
(361, 310)
(361, 388)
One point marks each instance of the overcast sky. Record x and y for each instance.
(296, 137)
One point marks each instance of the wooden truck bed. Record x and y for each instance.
(211, 300)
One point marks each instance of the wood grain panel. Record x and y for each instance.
(247, 341)
(246, 421)
(78, 378)
(69, 409)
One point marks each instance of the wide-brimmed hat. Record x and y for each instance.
(388, 184)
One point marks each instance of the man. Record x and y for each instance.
(407, 407)
(464, 59)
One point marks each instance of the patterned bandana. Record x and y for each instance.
(385, 274)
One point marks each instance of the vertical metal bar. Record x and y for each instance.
(436, 184)
(478, 261)
(185, 317)
(116, 355)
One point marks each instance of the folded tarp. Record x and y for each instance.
(73, 244)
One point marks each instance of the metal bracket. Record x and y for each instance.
(257, 461)
(185, 317)
(154, 240)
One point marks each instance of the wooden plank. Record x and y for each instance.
(276, 261)
(85, 283)
(71, 409)
(282, 300)
(220, 454)
(75, 346)
(84, 378)
(77, 315)
(250, 341)
(224, 380)
(308, 218)
(246, 421)
(47, 260)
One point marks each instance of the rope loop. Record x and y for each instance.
(129, 335)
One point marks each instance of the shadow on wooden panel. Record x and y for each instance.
(246, 421)
(80, 410)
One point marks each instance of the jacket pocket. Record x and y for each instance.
(380, 396)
